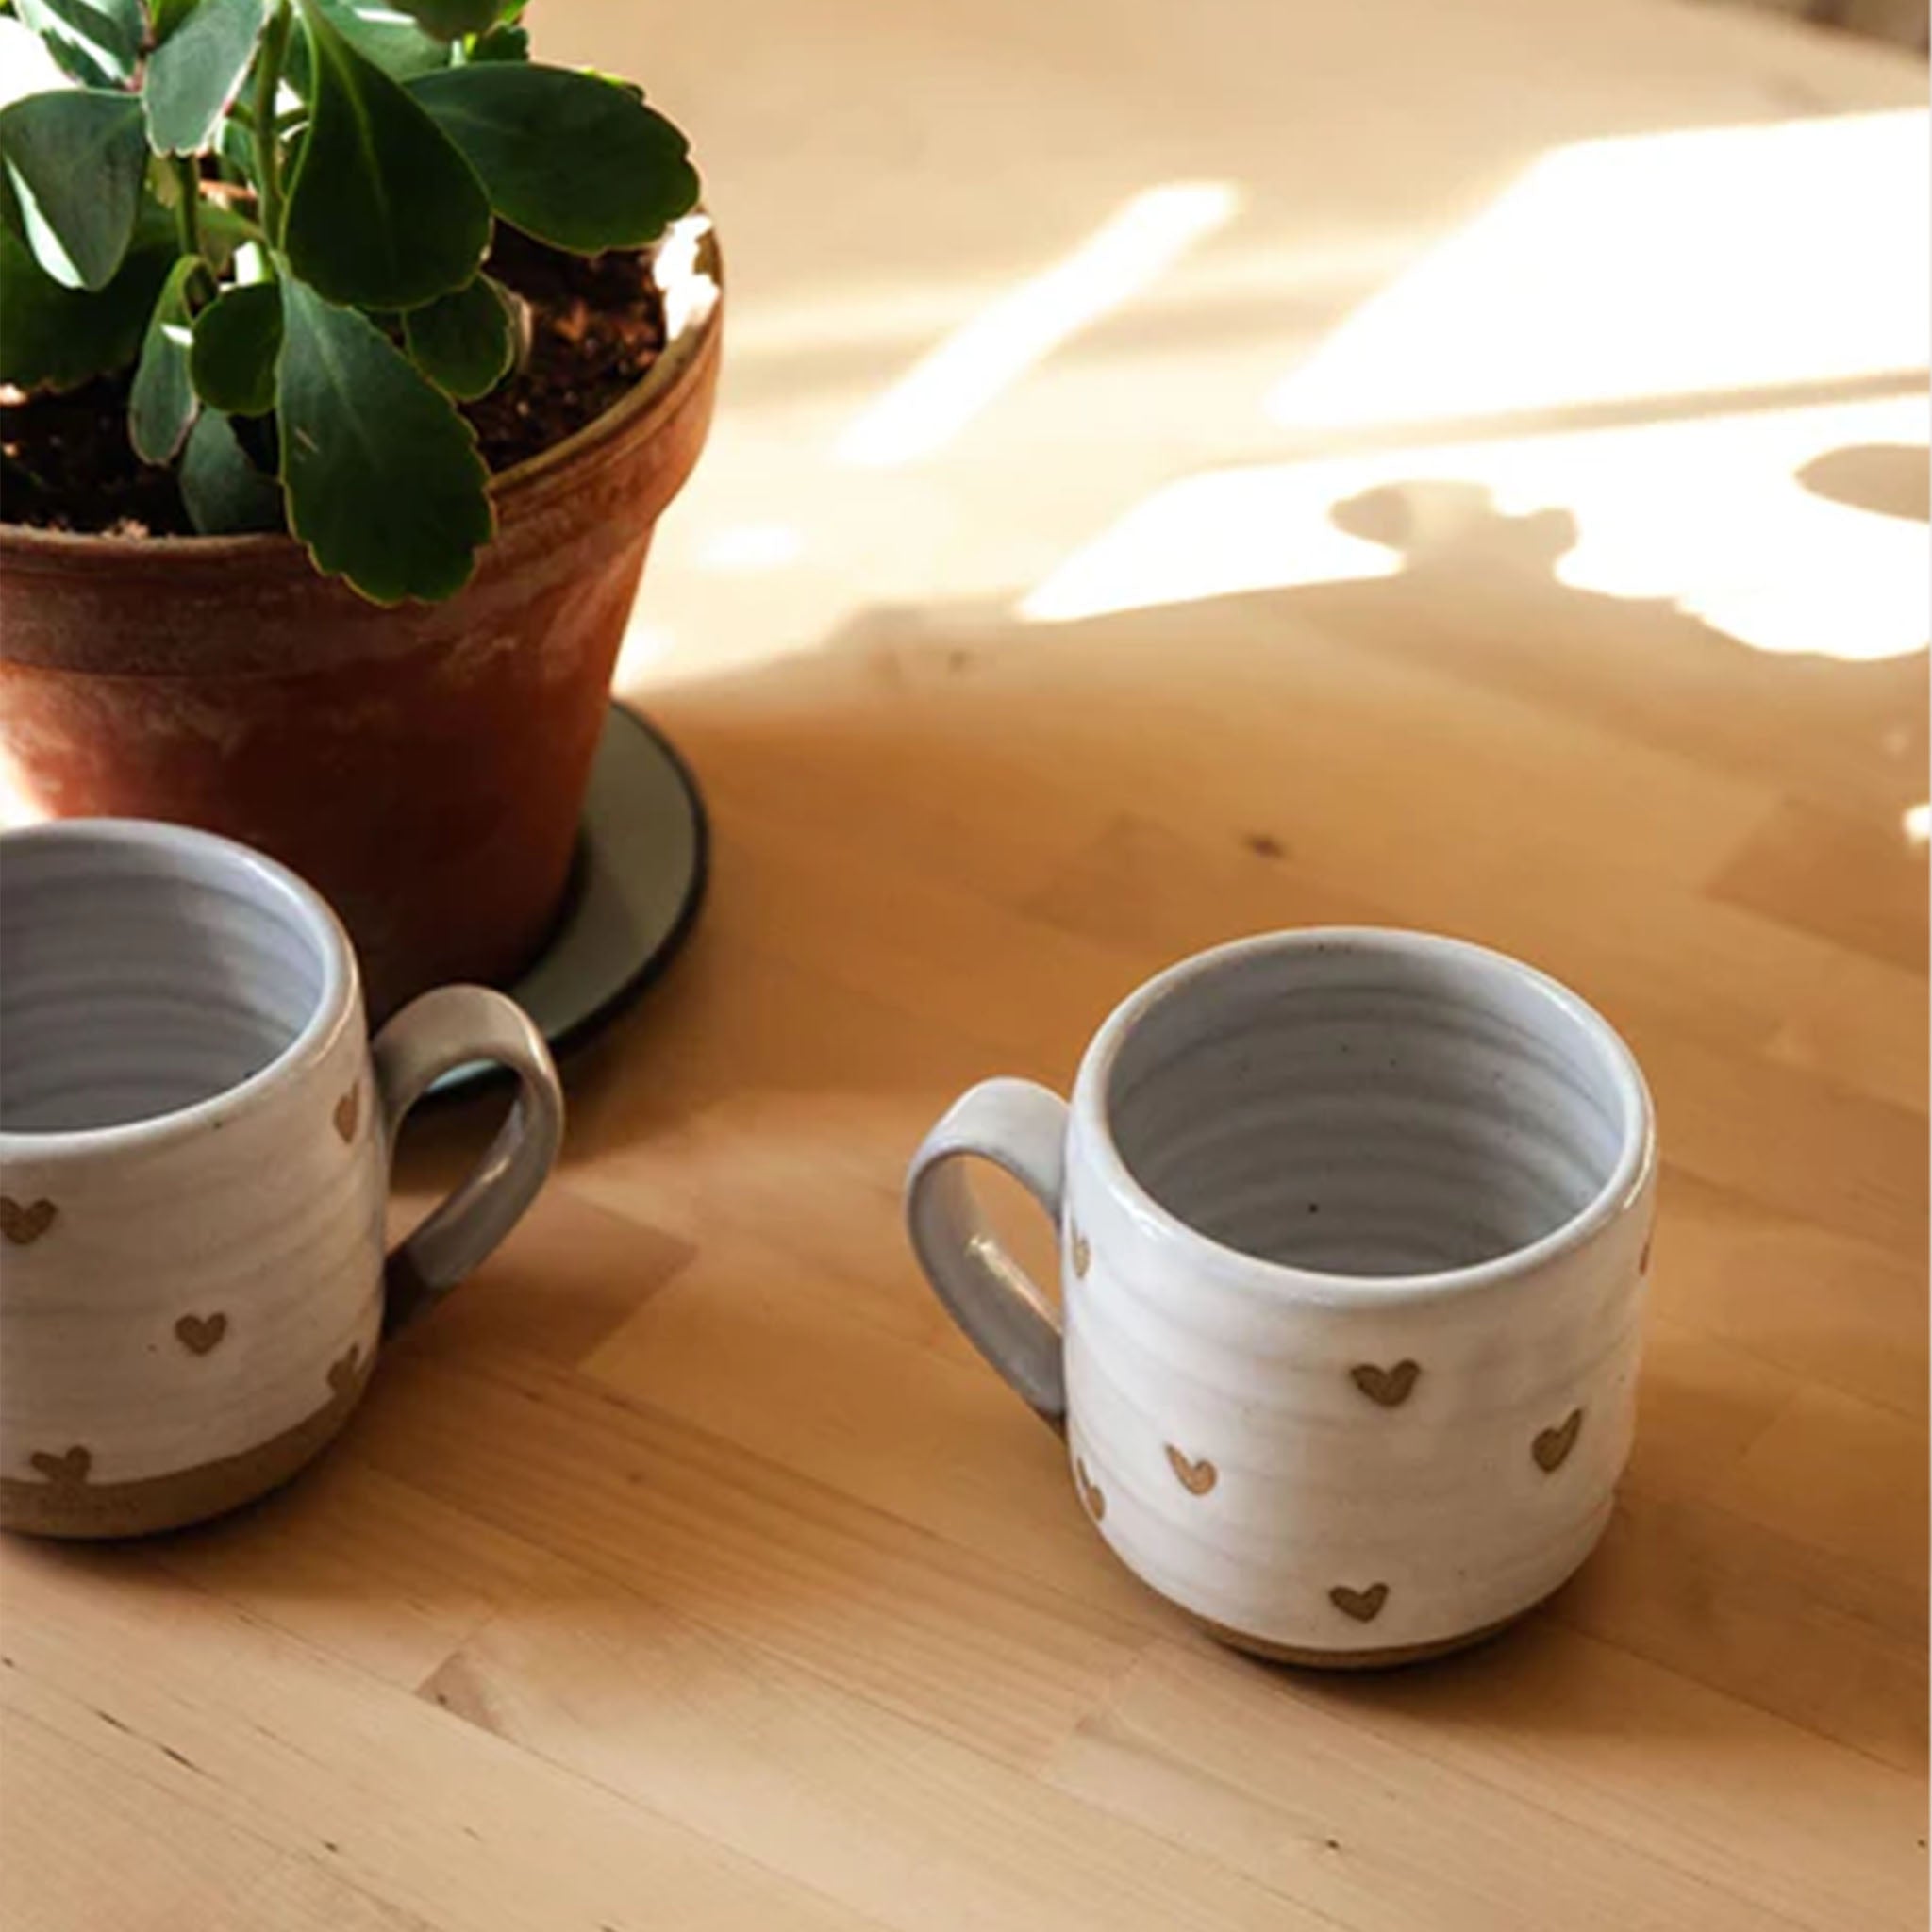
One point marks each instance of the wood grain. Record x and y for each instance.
(689, 1569)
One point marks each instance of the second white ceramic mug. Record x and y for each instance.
(1354, 1227)
(196, 1133)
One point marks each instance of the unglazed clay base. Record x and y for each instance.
(1388, 1657)
(66, 1504)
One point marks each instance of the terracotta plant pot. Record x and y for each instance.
(422, 766)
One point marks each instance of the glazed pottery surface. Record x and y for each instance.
(423, 767)
(1355, 1227)
(196, 1135)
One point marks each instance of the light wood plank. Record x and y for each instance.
(1842, 1476)
(155, 1858)
(279, 1742)
(977, 1650)
(1799, 1826)
(1858, 882)
(857, 1801)
(1320, 1807)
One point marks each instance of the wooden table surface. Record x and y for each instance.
(1490, 499)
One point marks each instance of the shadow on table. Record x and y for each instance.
(1888, 478)
(1078, 775)
(940, 799)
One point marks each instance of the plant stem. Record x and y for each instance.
(268, 152)
(188, 207)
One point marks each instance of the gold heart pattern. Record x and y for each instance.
(24, 1223)
(1391, 1387)
(1083, 1255)
(72, 1468)
(198, 1334)
(347, 1109)
(1364, 1606)
(1197, 1478)
(341, 1374)
(1551, 1447)
(1090, 1491)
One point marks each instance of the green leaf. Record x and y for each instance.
(384, 212)
(98, 42)
(502, 43)
(464, 343)
(192, 76)
(568, 158)
(168, 15)
(236, 147)
(223, 230)
(161, 403)
(236, 343)
(223, 491)
(382, 477)
(76, 161)
(450, 20)
(52, 337)
(378, 33)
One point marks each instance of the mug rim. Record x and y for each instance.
(269, 880)
(1635, 1162)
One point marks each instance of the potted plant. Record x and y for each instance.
(350, 357)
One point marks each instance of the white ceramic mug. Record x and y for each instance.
(1354, 1227)
(194, 1151)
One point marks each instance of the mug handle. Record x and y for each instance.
(431, 1036)
(1020, 1126)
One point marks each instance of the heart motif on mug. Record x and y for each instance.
(25, 1225)
(341, 1374)
(70, 1468)
(1551, 1447)
(1083, 1255)
(1390, 1386)
(347, 1109)
(1197, 1478)
(1364, 1606)
(198, 1334)
(1090, 1491)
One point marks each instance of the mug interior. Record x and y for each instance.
(143, 970)
(1369, 1105)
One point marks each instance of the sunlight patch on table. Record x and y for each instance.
(1705, 261)
(1706, 514)
(645, 645)
(751, 547)
(928, 406)
(1216, 536)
